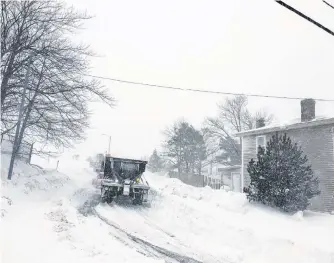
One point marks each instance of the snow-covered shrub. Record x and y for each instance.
(281, 176)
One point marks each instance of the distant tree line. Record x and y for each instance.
(187, 149)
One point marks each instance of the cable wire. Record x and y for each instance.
(306, 17)
(328, 4)
(205, 91)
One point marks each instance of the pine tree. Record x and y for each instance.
(185, 148)
(155, 163)
(281, 176)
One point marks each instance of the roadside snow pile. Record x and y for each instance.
(53, 212)
(30, 177)
(32, 183)
(28, 183)
(171, 186)
(233, 229)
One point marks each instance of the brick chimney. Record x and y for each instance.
(260, 123)
(307, 109)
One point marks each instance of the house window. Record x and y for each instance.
(260, 142)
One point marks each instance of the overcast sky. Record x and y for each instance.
(233, 46)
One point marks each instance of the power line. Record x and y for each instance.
(328, 4)
(307, 17)
(205, 91)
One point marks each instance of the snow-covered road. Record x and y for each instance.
(54, 217)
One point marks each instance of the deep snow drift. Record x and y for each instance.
(45, 218)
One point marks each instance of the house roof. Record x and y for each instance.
(214, 164)
(292, 126)
(232, 167)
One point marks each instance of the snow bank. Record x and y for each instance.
(28, 183)
(171, 186)
(49, 211)
(234, 229)
(41, 216)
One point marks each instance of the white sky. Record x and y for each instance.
(234, 46)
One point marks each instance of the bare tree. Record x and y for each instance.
(233, 117)
(56, 108)
(249, 120)
(216, 134)
(25, 26)
(58, 93)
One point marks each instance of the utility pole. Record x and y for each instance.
(16, 143)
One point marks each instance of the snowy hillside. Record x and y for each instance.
(55, 217)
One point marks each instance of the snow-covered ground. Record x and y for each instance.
(46, 218)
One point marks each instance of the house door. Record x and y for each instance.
(236, 182)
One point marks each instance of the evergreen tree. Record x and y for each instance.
(281, 176)
(155, 163)
(185, 148)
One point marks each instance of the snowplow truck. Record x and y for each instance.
(123, 177)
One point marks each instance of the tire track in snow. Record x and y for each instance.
(166, 254)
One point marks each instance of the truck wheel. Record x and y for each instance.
(103, 199)
(138, 200)
(107, 199)
(110, 200)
